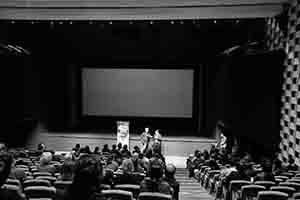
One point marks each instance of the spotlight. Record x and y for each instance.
(151, 22)
(110, 22)
(215, 21)
(172, 22)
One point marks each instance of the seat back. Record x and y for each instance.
(294, 180)
(284, 178)
(62, 184)
(153, 196)
(251, 191)
(40, 192)
(272, 195)
(235, 188)
(134, 189)
(117, 195)
(266, 184)
(51, 179)
(36, 174)
(290, 175)
(296, 186)
(296, 195)
(15, 182)
(288, 190)
(35, 182)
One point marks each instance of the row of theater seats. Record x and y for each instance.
(44, 185)
(286, 186)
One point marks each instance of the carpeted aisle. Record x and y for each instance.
(190, 189)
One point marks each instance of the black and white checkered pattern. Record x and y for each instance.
(290, 120)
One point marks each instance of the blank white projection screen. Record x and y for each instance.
(137, 92)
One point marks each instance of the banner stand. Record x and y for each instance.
(123, 133)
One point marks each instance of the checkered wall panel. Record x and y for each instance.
(290, 111)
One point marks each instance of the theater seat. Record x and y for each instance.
(36, 174)
(40, 192)
(272, 195)
(62, 184)
(117, 195)
(251, 191)
(288, 190)
(267, 184)
(154, 196)
(134, 189)
(35, 182)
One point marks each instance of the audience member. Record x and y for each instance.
(105, 149)
(125, 152)
(45, 165)
(136, 164)
(111, 163)
(6, 161)
(170, 179)
(154, 182)
(87, 180)
(96, 150)
(67, 170)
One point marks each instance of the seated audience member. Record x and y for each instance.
(170, 179)
(96, 150)
(119, 147)
(45, 165)
(86, 182)
(136, 149)
(144, 162)
(6, 161)
(105, 149)
(2, 147)
(87, 150)
(114, 150)
(41, 149)
(127, 169)
(111, 163)
(125, 152)
(67, 171)
(238, 174)
(291, 165)
(266, 174)
(136, 164)
(76, 148)
(155, 183)
(17, 173)
(205, 155)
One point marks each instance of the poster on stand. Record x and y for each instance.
(123, 133)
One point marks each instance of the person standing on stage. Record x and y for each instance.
(157, 140)
(145, 138)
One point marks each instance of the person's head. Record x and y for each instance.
(77, 146)
(147, 129)
(6, 161)
(157, 131)
(120, 145)
(46, 158)
(114, 146)
(170, 170)
(125, 147)
(87, 149)
(2, 147)
(87, 177)
(41, 147)
(96, 150)
(105, 146)
(127, 166)
(156, 169)
(67, 169)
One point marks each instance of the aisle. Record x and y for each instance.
(190, 189)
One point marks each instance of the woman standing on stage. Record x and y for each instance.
(158, 140)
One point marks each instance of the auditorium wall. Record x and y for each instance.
(289, 40)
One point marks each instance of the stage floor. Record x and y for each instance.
(175, 148)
